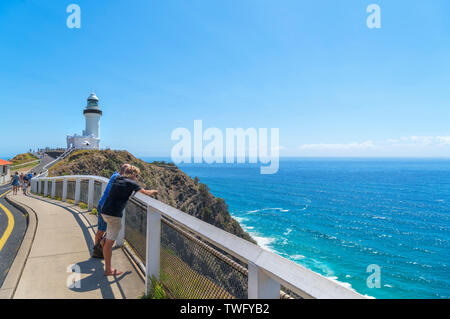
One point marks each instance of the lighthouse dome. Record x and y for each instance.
(92, 97)
(92, 102)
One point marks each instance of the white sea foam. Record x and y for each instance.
(240, 220)
(346, 285)
(263, 241)
(297, 257)
(287, 232)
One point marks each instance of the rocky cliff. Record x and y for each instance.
(175, 187)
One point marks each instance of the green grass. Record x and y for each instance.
(25, 166)
(94, 211)
(82, 205)
(23, 158)
(157, 291)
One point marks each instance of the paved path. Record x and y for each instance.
(44, 161)
(64, 237)
(12, 228)
(11, 240)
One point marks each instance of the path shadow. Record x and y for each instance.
(96, 279)
(92, 266)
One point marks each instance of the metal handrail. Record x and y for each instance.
(59, 158)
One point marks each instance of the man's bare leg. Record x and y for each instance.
(107, 253)
(98, 236)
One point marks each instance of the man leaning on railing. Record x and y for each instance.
(97, 251)
(121, 190)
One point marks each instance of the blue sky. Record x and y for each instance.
(313, 69)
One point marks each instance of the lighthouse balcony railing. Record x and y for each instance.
(194, 259)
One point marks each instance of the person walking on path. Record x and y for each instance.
(25, 185)
(24, 179)
(121, 190)
(97, 251)
(15, 182)
(30, 176)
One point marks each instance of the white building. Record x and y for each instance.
(5, 176)
(90, 139)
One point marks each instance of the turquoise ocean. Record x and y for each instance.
(338, 216)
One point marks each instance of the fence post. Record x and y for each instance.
(77, 190)
(90, 195)
(46, 187)
(153, 247)
(64, 190)
(53, 189)
(260, 285)
(39, 190)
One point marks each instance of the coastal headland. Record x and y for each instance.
(175, 187)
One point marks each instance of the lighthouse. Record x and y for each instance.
(90, 139)
(92, 113)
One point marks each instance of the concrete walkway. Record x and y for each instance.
(64, 237)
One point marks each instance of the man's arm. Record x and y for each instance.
(148, 192)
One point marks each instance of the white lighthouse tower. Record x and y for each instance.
(92, 113)
(90, 139)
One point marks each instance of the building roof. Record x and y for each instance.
(3, 162)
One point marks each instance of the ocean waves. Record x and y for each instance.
(338, 217)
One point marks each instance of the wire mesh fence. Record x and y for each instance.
(97, 192)
(41, 188)
(50, 187)
(84, 186)
(286, 293)
(58, 189)
(136, 226)
(192, 268)
(189, 267)
(71, 190)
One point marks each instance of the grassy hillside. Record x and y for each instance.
(175, 187)
(23, 158)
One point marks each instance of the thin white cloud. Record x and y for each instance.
(426, 140)
(444, 140)
(421, 140)
(402, 143)
(336, 147)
